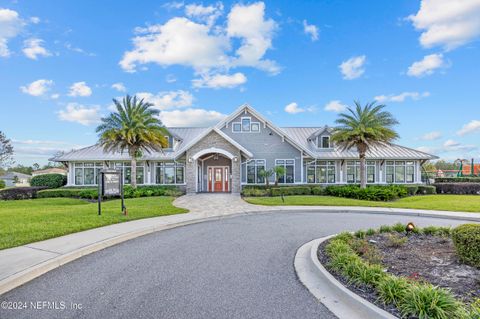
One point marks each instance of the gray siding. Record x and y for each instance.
(265, 146)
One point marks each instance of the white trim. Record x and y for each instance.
(226, 178)
(246, 171)
(212, 150)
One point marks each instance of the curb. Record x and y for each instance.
(328, 290)
(33, 272)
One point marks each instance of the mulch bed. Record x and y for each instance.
(425, 258)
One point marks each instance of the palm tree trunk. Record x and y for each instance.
(363, 177)
(133, 173)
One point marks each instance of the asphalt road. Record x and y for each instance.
(240, 267)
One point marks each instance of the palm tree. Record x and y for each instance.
(134, 127)
(279, 173)
(266, 174)
(364, 128)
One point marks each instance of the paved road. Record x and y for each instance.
(240, 267)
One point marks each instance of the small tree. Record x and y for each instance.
(6, 151)
(279, 173)
(266, 174)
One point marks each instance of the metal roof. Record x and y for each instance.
(392, 151)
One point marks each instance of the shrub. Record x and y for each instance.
(395, 240)
(2, 184)
(318, 190)
(49, 180)
(392, 289)
(457, 180)
(371, 192)
(59, 192)
(360, 234)
(458, 188)
(411, 189)
(427, 301)
(385, 229)
(438, 231)
(370, 232)
(19, 193)
(426, 190)
(466, 239)
(297, 190)
(255, 192)
(399, 227)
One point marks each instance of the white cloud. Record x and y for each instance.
(168, 100)
(353, 67)
(293, 108)
(248, 23)
(120, 87)
(80, 89)
(191, 117)
(78, 113)
(173, 5)
(447, 23)
(451, 145)
(170, 78)
(427, 65)
(10, 27)
(35, 20)
(431, 136)
(471, 127)
(220, 81)
(55, 96)
(70, 47)
(206, 14)
(335, 106)
(206, 46)
(37, 88)
(401, 97)
(311, 30)
(32, 48)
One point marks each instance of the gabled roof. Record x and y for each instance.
(246, 107)
(392, 151)
(320, 132)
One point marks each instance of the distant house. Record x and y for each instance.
(13, 179)
(55, 170)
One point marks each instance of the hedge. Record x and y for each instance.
(457, 180)
(15, 193)
(2, 184)
(411, 189)
(466, 238)
(298, 190)
(458, 188)
(426, 190)
(49, 180)
(129, 192)
(372, 193)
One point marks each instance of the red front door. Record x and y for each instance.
(218, 179)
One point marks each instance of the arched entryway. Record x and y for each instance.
(214, 170)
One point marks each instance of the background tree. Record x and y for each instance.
(6, 151)
(134, 128)
(364, 128)
(35, 166)
(266, 174)
(279, 173)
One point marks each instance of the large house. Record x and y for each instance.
(232, 154)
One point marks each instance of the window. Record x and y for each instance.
(253, 168)
(323, 141)
(126, 168)
(353, 171)
(246, 126)
(167, 173)
(400, 171)
(237, 127)
(289, 166)
(320, 172)
(87, 173)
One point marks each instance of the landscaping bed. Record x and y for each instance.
(419, 275)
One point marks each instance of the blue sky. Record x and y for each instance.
(299, 63)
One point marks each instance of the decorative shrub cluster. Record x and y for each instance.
(2, 184)
(426, 190)
(372, 193)
(458, 188)
(49, 180)
(466, 238)
(129, 192)
(296, 190)
(412, 298)
(19, 193)
(457, 179)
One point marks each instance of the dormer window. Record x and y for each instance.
(237, 127)
(246, 124)
(323, 142)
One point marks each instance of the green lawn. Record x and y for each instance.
(26, 221)
(465, 203)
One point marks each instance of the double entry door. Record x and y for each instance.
(218, 177)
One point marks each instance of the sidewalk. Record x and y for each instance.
(21, 264)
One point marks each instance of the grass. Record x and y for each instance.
(465, 203)
(26, 221)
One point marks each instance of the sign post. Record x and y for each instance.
(110, 183)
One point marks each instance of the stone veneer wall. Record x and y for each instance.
(213, 139)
